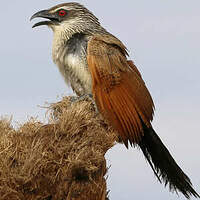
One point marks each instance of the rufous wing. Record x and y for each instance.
(118, 89)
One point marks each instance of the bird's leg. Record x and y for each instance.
(85, 97)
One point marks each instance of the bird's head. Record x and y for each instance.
(70, 17)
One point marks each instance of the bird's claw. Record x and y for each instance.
(85, 97)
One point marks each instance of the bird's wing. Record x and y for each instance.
(118, 89)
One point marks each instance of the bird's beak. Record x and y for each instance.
(45, 14)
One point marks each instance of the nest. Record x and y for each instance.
(61, 160)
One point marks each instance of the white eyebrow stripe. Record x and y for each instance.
(65, 8)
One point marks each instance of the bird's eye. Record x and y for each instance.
(62, 13)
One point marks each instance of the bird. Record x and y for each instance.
(94, 62)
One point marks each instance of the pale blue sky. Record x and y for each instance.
(164, 41)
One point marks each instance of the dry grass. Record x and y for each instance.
(61, 160)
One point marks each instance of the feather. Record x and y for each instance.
(123, 99)
(118, 89)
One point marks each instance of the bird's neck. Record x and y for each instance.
(59, 40)
(63, 33)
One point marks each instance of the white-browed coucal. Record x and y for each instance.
(95, 62)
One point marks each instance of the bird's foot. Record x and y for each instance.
(85, 97)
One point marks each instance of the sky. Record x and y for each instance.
(163, 38)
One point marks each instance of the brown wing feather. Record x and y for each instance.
(118, 89)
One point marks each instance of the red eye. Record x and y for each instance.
(62, 13)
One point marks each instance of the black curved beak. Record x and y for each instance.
(45, 14)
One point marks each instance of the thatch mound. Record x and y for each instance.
(61, 160)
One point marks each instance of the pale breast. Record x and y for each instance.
(70, 57)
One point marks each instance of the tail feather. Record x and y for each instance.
(164, 166)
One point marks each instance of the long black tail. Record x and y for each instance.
(163, 165)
